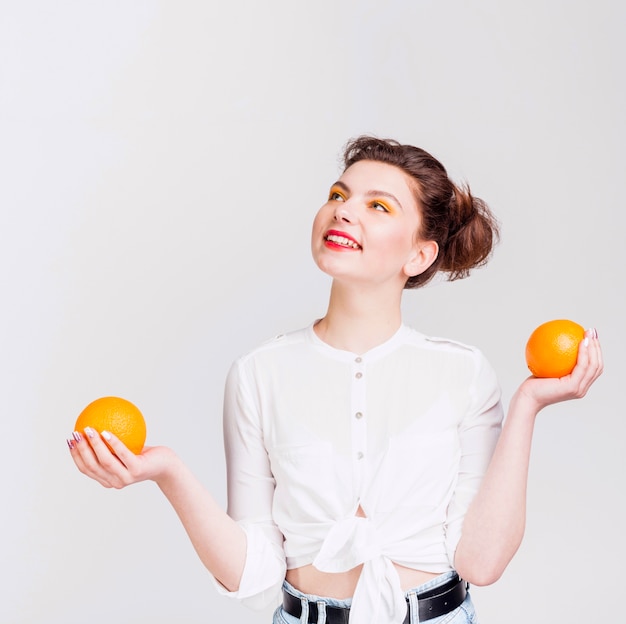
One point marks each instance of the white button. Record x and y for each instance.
(358, 360)
(359, 415)
(359, 375)
(359, 455)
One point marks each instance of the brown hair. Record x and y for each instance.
(461, 224)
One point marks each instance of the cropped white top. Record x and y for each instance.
(406, 431)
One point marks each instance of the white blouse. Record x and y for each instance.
(405, 431)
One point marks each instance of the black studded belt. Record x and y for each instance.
(431, 603)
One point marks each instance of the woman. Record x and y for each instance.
(368, 468)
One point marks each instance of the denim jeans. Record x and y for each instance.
(464, 614)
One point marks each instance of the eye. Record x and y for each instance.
(380, 207)
(336, 196)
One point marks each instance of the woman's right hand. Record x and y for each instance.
(120, 467)
(219, 541)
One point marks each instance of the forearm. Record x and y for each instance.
(494, 525)
(219, 541)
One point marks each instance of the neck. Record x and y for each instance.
(360, 319)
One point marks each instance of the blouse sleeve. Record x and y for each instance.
(479, 431)
(250, 493)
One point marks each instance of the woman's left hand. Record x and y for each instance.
(589, 366)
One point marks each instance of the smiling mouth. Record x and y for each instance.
(342, 241)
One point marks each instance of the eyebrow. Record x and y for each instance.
(372, 193)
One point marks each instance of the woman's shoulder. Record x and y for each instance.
(450, 352)
(277, 343)
(439, 343)
(454, 356)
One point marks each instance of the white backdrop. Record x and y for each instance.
(160, 164)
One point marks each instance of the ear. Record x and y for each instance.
(424, 254)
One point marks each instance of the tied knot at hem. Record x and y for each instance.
(378, 596)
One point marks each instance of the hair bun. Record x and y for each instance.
(472, 235)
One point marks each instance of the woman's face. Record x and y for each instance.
(367, 231)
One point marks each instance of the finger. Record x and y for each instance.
(103, 453)
(85, 459)
(596, 348)
(589, 363)
(123, 453)
(594, 352)
(83, 451)
(101, 462)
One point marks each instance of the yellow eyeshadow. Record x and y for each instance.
(335, 190)
(384, 204)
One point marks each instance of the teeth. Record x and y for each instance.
(342, 240)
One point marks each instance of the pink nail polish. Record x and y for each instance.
(106, 435)
(90, 433)
(71, 443)
(77, 436)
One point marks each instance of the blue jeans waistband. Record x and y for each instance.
(346, 602)
(464, 614)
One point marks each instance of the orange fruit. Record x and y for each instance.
(552, 349)
(119, 416)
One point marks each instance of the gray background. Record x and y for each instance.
(160, 165)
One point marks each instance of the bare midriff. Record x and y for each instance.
(310, 580)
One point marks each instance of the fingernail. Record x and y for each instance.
(90, 432)
(77, 436)
(595, 332)
(586, 341)
(71, 443)
(106, 435)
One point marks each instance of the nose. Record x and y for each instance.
(345, 212)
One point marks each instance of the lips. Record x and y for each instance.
(335, 238)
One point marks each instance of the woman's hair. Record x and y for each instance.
(461, 224)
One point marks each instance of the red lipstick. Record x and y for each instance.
(335, 239)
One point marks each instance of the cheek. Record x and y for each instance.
(317, 230)
(319, 220)
(401, 239)
(315, 226)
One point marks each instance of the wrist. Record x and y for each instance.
(525, 404)
(169, 469)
